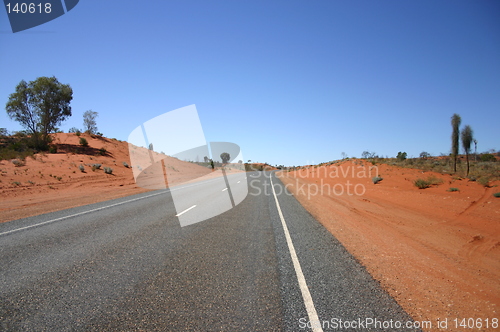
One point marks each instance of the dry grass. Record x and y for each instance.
(482, 171)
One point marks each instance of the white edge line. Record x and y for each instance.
(102, 208)
(78, 214)
(224, 189)
(306, 295)
(186, 210)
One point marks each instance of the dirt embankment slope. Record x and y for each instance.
(436, 252)
(54, 181)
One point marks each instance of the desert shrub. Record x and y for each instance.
(15, 148)
(108, 170)
(81, 168)
(125, 164)
(78, 132)
(83, 141)
(6, 154)
(453, 189)
(97, 166)
(424, 155)
(53, 149)
(376, 179)
(421, 183)
(434, 180)
(102, 151)
(16, 183)
(401, 156)
(496, 194)
(18, 162)
(426, 183)
(484, 181)
(488, 157)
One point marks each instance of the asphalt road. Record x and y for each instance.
(128, 265)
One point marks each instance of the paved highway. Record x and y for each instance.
(128, 265)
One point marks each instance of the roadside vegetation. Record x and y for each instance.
(426, 183)
(481, 167)
(15, 146)
(40, 106)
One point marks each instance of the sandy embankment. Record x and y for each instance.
(436, 252)
(52, 182)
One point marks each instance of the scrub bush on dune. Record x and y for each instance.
(426, 183)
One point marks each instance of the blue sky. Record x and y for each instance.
(291, 82)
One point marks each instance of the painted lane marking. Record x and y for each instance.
(224, 189)
(306, 295)
(78, 214)
(186, 210)
(108, 206)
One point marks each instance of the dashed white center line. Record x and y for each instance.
(238, 182)
(192, 207)
(224, 189)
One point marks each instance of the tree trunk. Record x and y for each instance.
(467, 158)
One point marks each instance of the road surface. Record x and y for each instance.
(128, 265)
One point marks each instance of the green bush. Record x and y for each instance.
(488, 157)
(18, 162)
(484, 181)
(81, 168)
(108, 170)
(53, 149)
(421, 183)
(453, 189)
(125, 164)
(496, 194)
(96, 167)
(102, 151)
(426, 183)
(376, 179)
(83, 141)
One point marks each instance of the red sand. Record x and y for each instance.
(436, 252)
(52, 182)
